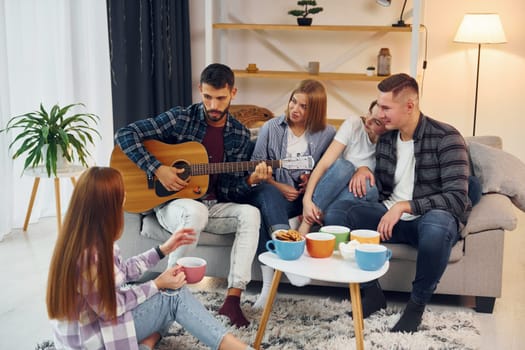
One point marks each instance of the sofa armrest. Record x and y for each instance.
(494, 211)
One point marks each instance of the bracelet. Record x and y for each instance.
(161, 254)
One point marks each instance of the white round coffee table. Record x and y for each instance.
(333, 269)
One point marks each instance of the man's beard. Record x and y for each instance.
(221, 115)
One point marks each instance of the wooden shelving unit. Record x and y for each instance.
(293, 27)
(271, 74)
(298, 75)
(222, 27)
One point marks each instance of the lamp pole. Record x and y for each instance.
(480, 28)
(476, 96)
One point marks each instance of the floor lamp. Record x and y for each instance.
(480, 28)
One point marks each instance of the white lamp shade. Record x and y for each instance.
(481, 28)
(385, 3)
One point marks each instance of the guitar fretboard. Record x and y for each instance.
(219, 168)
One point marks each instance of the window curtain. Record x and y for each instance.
(150, 57)
(51, 51)
(6, 169)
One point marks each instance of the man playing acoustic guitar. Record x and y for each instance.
(225, 140)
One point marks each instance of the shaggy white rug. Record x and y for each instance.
(306, 323)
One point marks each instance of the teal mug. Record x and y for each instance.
(371, 257)
(286, 250)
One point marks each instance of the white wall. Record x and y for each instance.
(449, 80)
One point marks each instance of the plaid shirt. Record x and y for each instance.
(92, 330)
(180, 125)
(441, 172)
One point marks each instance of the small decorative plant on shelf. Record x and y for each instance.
(309, 8)
(50, 137)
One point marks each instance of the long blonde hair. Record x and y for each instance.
(82, 260)
(317, 105)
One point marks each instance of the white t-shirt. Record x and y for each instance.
(297, 146)
(404, 176)
(360, 151)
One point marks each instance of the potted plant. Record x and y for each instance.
(47, 137)
(309, 8)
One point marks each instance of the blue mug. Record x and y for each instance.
(371, 257)
(286, 250)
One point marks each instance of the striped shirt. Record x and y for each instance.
(183, 124)
(272, 144)
(441, 171)
(92, 330)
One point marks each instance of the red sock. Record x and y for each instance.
(232, 309)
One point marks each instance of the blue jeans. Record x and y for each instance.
(275, 211)
(158, 313)
(432, 234)
(333, 186)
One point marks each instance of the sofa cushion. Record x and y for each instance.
(499, 172)
(406, 252)
(152, 229)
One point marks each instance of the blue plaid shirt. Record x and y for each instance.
(183, 124)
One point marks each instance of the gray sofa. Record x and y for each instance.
(474, 269)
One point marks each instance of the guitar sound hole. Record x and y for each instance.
(183, 165)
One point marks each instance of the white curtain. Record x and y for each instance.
(51, 51)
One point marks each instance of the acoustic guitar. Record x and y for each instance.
(143, 193)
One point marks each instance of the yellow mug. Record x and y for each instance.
(365, 236)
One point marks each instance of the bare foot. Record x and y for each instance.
(304, 228)
(151, 340)
(229, 342)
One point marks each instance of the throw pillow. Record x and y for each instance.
(494, 212)
(499, 171)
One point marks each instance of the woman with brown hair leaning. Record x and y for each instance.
(88, 299)
(278, 193)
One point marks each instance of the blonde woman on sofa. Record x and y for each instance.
(342, 171)
(278, 193)
(88, 299)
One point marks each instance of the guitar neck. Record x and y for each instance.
(220, 168)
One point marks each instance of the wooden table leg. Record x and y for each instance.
(31, 202)
(267, 309)
(357, 314)
(57, 203)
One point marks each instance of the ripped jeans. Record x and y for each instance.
(158, 313)
(217, 218)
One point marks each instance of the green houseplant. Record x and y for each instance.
(309, 8)
(47, 136)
